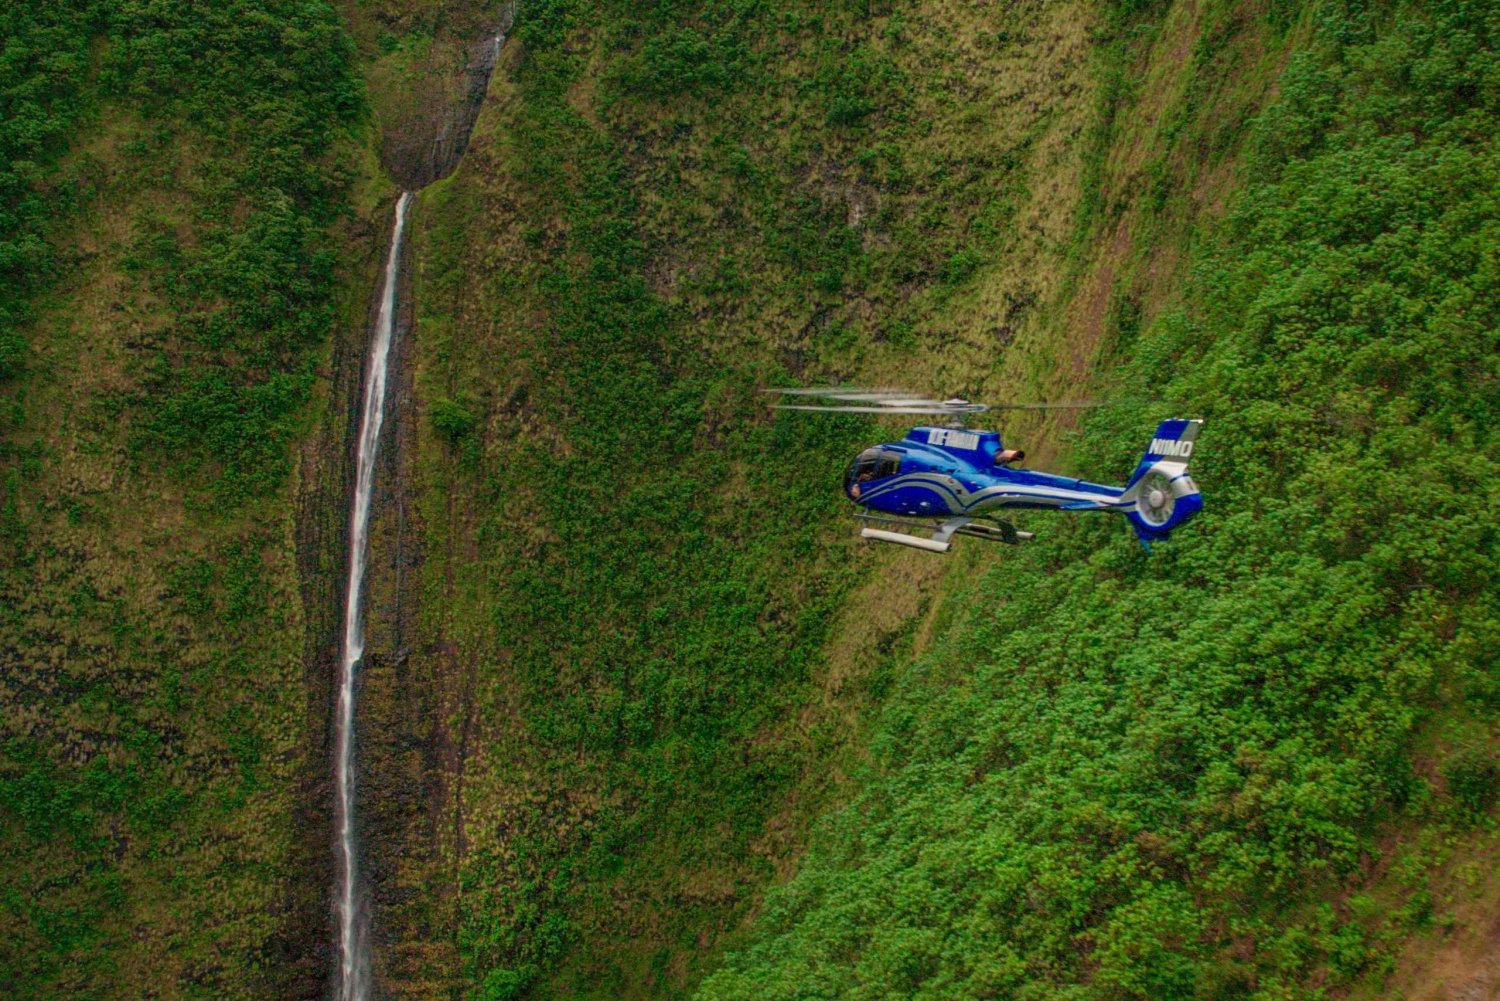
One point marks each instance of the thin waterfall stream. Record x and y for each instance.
(442, 154)
(354, 958)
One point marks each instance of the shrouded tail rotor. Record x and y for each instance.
(1155, 503)
(1165, 496)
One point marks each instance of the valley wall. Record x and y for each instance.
(647, 657)
(640, 717)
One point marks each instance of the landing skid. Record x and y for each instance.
(901, 531)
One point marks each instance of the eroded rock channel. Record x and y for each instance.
(369, 811)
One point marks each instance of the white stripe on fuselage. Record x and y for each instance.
(999, 492)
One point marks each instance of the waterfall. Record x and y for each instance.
(440, 157)
(354, 925)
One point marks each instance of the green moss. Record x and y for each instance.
(650, 570)
(1473, 779)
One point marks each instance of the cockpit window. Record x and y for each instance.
(864, 465)
(871, 464)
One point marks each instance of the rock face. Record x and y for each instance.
(429, 128)
(322, 525)
(403, 755)
(325, 484)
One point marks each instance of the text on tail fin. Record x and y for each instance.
(1166, 448)
(1174, 440)
(1173, 446)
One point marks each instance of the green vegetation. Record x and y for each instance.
(171, 178)
(1123, 776)
(269, 88)
(644, 581)
(43, 61)
(266, 90)
(640, 718)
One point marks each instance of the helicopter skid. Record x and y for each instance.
(902, 539)
(942, 532)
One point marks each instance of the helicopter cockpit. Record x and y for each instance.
(871, 464)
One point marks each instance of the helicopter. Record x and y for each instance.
(947, 481)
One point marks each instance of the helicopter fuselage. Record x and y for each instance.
(947, 472)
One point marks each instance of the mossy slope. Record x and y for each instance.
(1092, 786)
(168, 320)
(633, 579)
(624, 652)
(1230, 769)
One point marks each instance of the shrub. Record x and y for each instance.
(452, 421)
(1473, 780)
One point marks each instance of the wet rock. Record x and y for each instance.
(425, 139)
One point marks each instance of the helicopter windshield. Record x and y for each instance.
(871, 464)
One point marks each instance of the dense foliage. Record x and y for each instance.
(653, 635)
(169, 175)
(263, 89)
(43, 61)
(647, 654)
(645, 578)
(267, 87)
(1166, 776)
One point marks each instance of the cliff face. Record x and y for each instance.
(172, 519)
(1249, 765)
(193, 232)
(658, 659)
(647, 652)
(639, 718)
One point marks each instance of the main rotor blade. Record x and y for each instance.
(884, 397)
(902, 401)
(972, 408)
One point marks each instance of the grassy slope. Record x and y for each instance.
(1253, 764)
(162, 747)
(648, 637)
(637, 687)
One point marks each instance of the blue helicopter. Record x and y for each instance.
(949, 480)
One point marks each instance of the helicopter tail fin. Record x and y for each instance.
(1163, 493)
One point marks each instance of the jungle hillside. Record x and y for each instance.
(639, 715)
